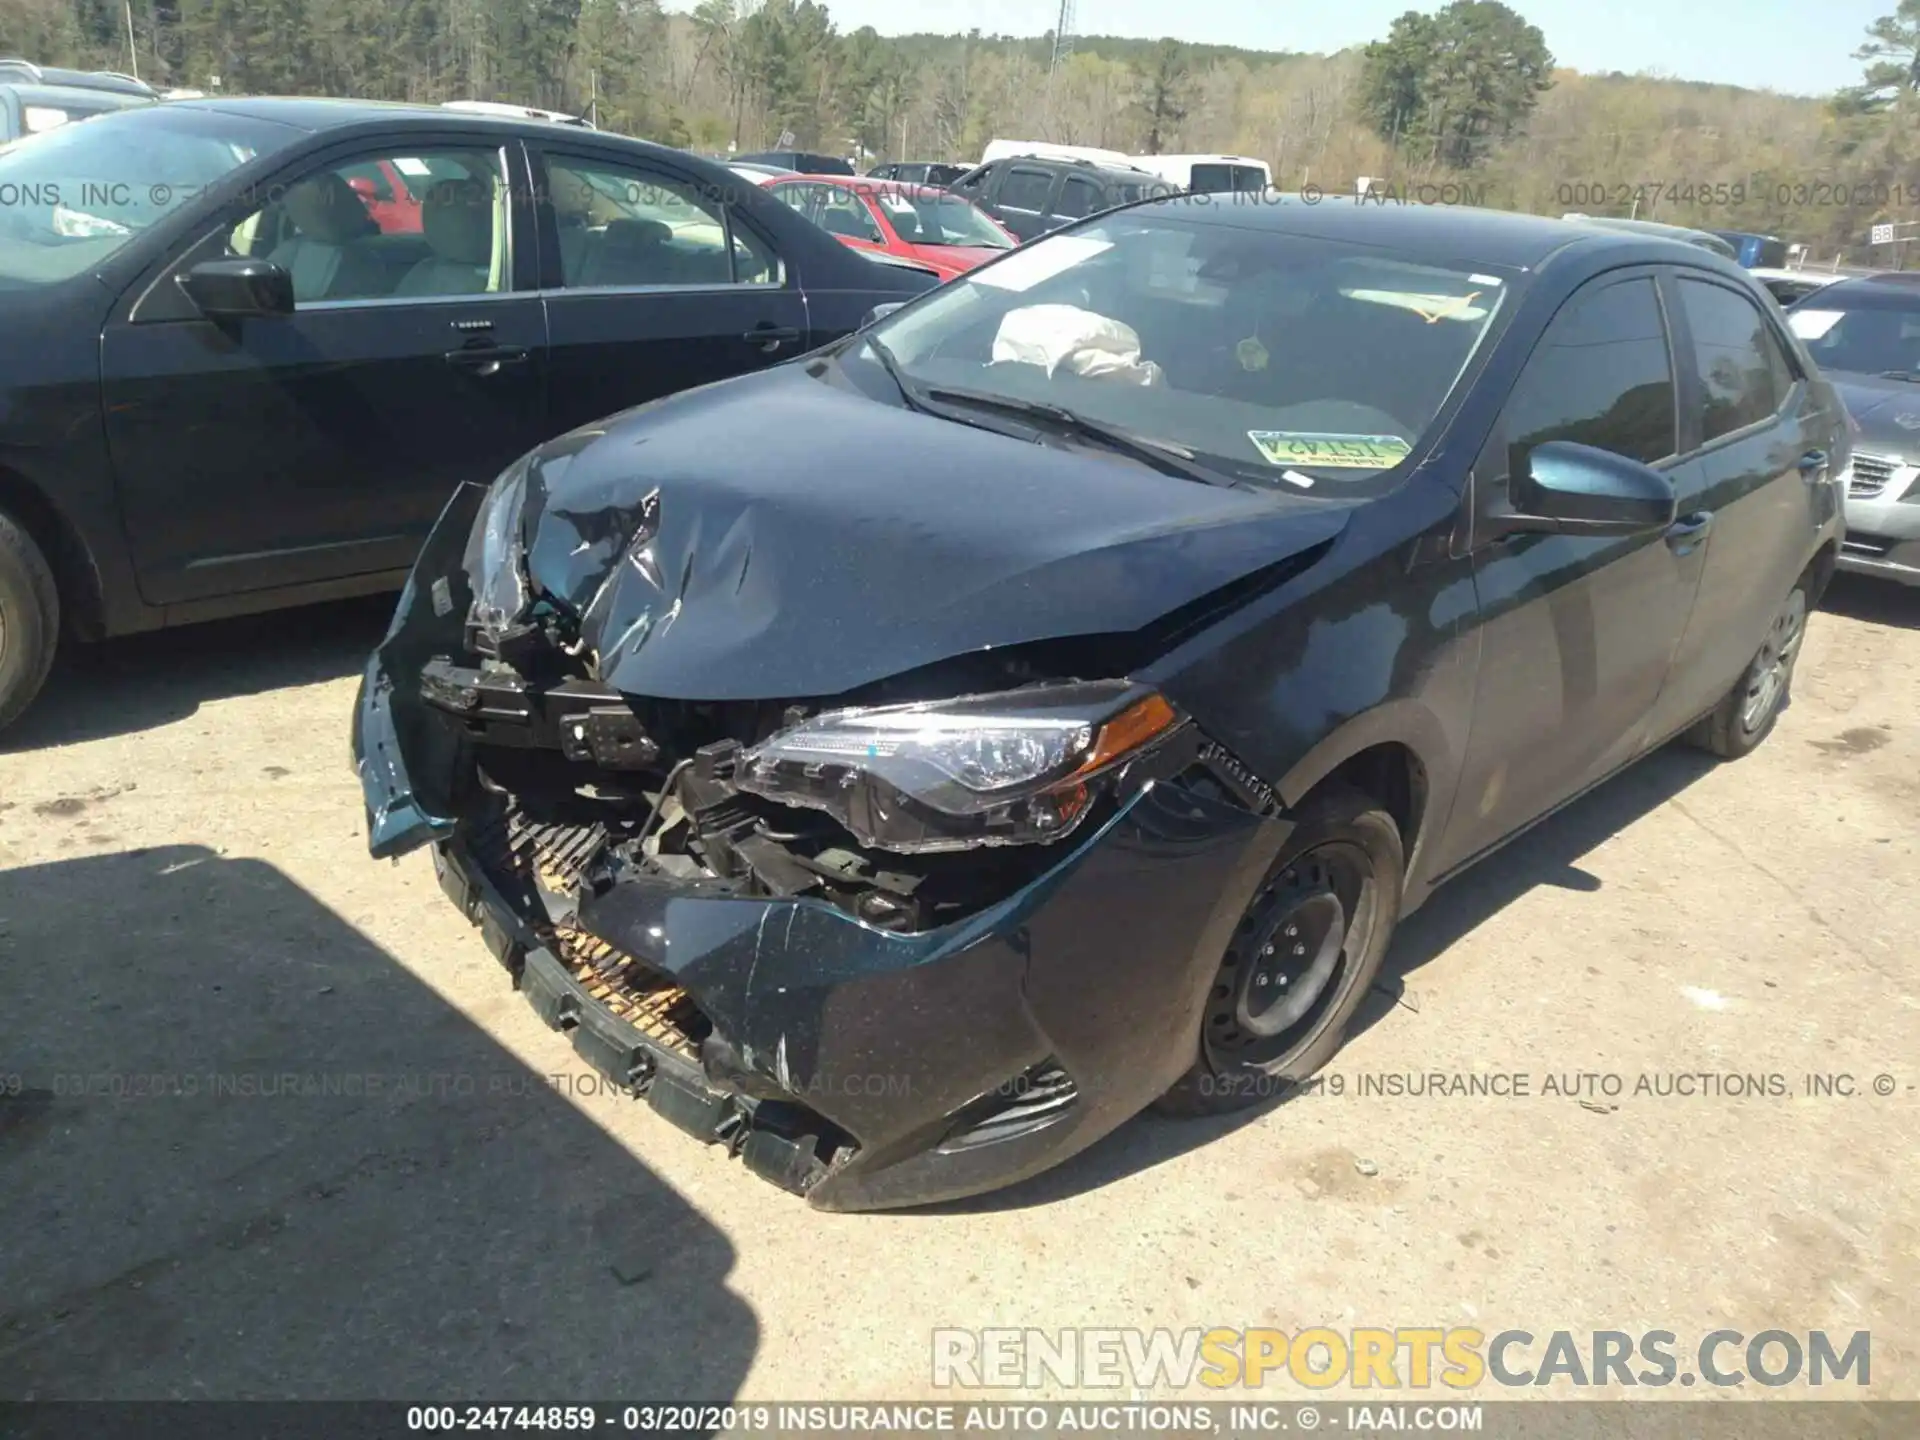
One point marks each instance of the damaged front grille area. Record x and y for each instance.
(630, 991)
(532, 859)
(630, 1022)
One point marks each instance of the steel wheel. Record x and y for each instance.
(1291, 957)
(1773, 667)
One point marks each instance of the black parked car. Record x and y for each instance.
(1129, 633)
(1031, 194)
(918, 172)
(252, 346)
(35, 98)
(802, 162)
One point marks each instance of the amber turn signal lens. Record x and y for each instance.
(1128, 731)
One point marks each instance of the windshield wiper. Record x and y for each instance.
(1166, 458)
(1910, 376)
(909, 393)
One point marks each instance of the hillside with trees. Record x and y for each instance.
(1466, 100)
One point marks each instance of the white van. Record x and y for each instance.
(1209, 174)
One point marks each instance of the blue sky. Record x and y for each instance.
(1798, 46)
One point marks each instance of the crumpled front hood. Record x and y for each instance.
(1887, 412)
(781, 537)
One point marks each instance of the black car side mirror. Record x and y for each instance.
(239, 289)
(1562, 488)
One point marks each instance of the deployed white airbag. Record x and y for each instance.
(1080, 342)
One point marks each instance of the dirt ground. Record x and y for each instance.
(187, 913)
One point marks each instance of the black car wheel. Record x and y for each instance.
(1302, 958)
(1746, 715)
(29, 620)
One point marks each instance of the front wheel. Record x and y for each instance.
(1302, 958)
(1745, 716)
(29, 620)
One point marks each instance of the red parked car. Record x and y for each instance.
(923, 223)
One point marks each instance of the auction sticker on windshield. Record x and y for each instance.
(1335, 452)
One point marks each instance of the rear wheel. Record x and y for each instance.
(1746, 715)
(29, 620)
(1301, 960)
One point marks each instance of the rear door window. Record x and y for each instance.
(1743, 370)
(1079, 197)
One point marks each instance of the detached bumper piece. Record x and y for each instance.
(638, 1033)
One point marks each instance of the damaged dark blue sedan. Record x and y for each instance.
(907, 764)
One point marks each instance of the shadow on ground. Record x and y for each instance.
(1548, 856)
(252, 1156)
(134, 683)
(1878, 602)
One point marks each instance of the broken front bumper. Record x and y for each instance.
(863, 1068)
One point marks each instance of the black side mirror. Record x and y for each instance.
(239, 289)
(1566, 489)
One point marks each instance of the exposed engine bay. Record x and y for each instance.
(622, 785)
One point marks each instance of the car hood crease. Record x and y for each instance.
(703, 560)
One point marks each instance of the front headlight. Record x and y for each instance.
(495, 561)
(1011, 769)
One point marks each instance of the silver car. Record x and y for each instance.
(1865, 336)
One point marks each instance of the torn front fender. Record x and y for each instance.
(411, 764)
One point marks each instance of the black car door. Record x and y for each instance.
(1577, 633)
(1021, 198)
(290, 449)
(1763, 438)
(653, 283)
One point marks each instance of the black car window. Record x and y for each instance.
(1025, 188)
(625, 227)
(445, 232)
(1079, 197)
(1744, 374)
(1600, 376)
(974, 181)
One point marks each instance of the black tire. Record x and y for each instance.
(29, 620)
(1746, 715)
(1345, 849)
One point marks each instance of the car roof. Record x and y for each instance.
(1706, 239)
(1894, 289)
(1203, 159)
(1460, 232)
(318, 113)
(76, 95)
(14, 70)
